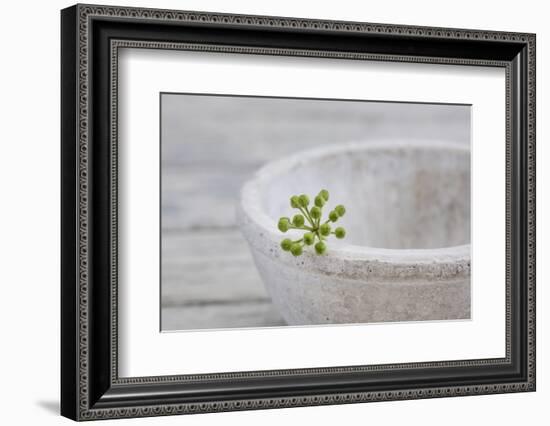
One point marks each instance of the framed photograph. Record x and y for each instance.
(263, 212)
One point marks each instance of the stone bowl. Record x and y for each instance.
(406, 255)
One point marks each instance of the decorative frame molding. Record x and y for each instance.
(91, 37)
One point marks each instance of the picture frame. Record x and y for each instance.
(91, 387)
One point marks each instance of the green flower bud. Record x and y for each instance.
(304, 200)
(311, 217)
(298, 220)
(284, 224)
(340, 232)
(340, 209)
(296, 249)
(320, 247)
(324, 229)
(309, 238)
(324, 194)
(315, 212)
(319, 201)
(286, 244)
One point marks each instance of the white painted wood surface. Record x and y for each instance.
(210, 146)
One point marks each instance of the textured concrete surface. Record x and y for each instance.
(407, 254)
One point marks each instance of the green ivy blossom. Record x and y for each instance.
(309, 220)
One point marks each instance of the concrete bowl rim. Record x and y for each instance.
(250, 206)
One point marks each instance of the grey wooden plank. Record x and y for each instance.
(220, 316)
(235, 131)
(198, 245)
(211, 281)
(201, 197)
(209, 266)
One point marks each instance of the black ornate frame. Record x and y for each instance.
(91, 37)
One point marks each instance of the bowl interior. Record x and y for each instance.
(397, 196)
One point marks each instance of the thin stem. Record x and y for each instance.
(318, 233)
(305, 211)
(303, 227)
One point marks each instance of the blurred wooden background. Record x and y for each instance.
(209, 146)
